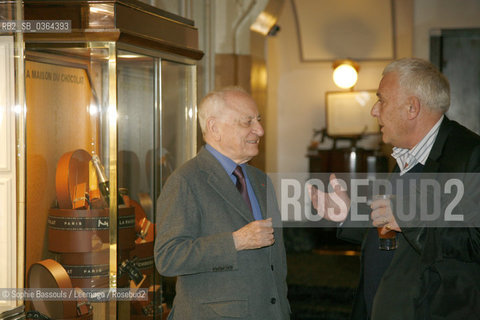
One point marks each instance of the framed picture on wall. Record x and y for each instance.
(348, 113)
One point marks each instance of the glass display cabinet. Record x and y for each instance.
(110, 113)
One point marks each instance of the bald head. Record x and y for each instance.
(215, 104)
(230, 123)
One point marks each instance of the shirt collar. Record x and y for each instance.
(228, 164)
(408, 158)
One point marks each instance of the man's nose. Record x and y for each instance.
(258, 129)
(374, 110)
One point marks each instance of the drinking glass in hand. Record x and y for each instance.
(387, 241)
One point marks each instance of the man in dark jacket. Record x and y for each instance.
(435, 271)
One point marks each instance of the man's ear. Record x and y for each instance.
(212, 128)
(413, 109)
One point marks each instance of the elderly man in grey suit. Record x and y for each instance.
(216, 218)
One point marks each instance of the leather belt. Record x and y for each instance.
(145, 264)
(144, 257)
(72, 172)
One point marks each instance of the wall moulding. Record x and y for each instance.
(332, 29)
(8, 227)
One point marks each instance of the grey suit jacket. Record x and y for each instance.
(198, 210)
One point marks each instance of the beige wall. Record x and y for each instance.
(441, 14)
(296, 93)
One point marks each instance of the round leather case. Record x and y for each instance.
(72, 171)
(87, 270)
(91, 269)
(50, 274)
(76, 231)
(126, 228)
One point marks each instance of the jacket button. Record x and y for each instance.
(272, 267)
(273, 301)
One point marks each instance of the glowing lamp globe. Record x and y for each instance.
(345, 74)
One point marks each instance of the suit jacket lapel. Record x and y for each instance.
(432, 163)
(219, 180)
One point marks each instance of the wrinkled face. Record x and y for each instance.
(391, 111)
(239, 128)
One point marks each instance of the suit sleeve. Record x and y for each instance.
(180, 247)
(460, 240)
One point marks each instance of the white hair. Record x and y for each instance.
(422, 79)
